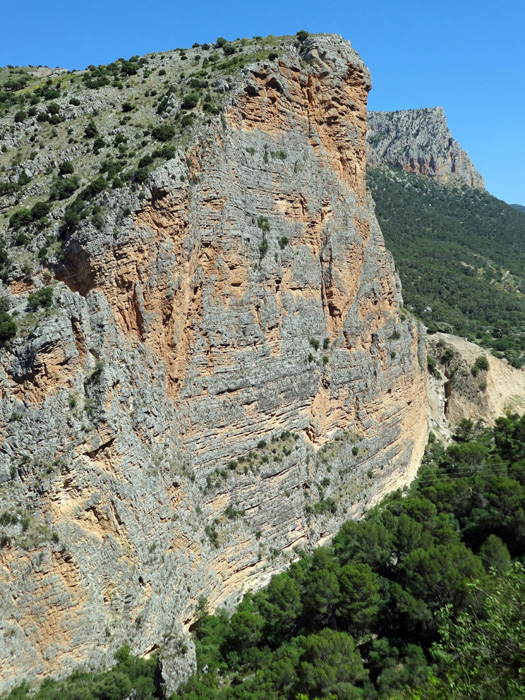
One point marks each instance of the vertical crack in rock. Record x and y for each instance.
(237, 378)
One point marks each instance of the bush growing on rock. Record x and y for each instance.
(190, 101)
(480, 365)
(187, 120)
(40, 210)
(66, 168)
(8, 326)
(165, 151)
(91, 130)
(163, 132)
(20, 218)
(63, 189)
(7, 188)
(42, 298)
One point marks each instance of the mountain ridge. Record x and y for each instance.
(460, 256)
(419, 141)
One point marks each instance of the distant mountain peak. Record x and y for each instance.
(419, 141)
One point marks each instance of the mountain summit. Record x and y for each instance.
(419, 141)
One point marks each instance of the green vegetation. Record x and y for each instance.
(383, 612)
(432, 367)
(63, 188)
(190, 101)
(484, 656)
(420, 600)
(91, 130)
(233, 513)
(163, 132)
(263, 224)
(480, 365)
(8, 326)
(129, 672)
(212, 534)
(461, 257)
(41, 299)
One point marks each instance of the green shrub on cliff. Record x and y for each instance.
(8, 326)
(163, 132)
(41, 299)
(480, 365)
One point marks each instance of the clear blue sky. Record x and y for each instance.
(466, 55)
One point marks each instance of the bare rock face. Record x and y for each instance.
(225, 376)
(457, 390)
(419, 141)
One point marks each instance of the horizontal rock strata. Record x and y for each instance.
(223, 380)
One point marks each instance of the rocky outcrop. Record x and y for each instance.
(457, 390)
(419, 141)
(226, 374)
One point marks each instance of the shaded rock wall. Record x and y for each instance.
(225, 378)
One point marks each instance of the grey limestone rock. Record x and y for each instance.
(419, 141)
(226, 374)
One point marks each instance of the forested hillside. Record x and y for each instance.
(421, 599)
(460, 254)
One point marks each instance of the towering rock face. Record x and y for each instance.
(419, 141)
(225, 377)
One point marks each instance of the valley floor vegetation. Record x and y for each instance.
(422, 599)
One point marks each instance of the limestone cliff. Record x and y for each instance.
(419, 141)
(225, 374)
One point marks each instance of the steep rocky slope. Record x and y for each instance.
(458, 390)
(222, 371)
(419, 141)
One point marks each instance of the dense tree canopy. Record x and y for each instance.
(376, 614)
(420, 600)
(460, 254)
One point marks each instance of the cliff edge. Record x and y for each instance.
(225, 372)
(463, 387)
